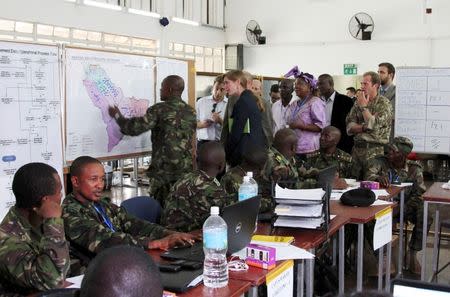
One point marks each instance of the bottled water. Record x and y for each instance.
(254, 183)
(215, 244)
(246, 189)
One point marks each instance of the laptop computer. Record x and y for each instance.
(240, 218)
(408, 288)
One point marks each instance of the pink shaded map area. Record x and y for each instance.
(103, 94)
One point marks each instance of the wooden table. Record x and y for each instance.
(435, 194)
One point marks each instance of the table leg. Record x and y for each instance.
(300, 278)
(360, 255)
(310, 276)
(424, 240)
(341, 259)
(388, 266)
(436, 239)
(400, 235)
(380, 267)
(253, 292)
(334, 251)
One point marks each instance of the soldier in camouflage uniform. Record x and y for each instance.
(370, 121)
(93, 223)
(34, 253)
(395, 168)
(253, 160)
(173, 124)
(190, 199)
(329, 155)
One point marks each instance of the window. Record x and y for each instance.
(44, 33)
(213, 12)
(207, 59)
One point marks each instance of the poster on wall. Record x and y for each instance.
(96, 80)
(30, 112)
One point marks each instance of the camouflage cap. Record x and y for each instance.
(402, 144)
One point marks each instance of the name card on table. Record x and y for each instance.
(382, 233)
(280, 281)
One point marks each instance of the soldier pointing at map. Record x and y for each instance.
(172, 123)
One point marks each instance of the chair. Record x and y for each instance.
(445, 224)
(143, 207)
(72, 292)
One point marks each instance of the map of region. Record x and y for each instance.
(104, 93)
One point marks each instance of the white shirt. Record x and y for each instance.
(279, 114)
(329, 107)
(204, 107)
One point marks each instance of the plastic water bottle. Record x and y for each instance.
(246, 189)
(215, 244)
(254, 183)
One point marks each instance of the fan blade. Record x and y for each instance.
(358, 32)
(359, 23)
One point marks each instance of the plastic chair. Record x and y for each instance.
(72, 292)
(143, 207)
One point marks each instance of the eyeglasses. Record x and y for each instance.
(214, 108)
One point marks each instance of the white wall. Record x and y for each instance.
(313, 34)
(62, 13)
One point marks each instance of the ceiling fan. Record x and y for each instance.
(253, 32)
(361, 26)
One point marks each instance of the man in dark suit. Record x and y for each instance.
(337, 108)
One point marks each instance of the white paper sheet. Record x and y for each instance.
(299, 211)
(309, 194)
(76, 281)
(380, 202)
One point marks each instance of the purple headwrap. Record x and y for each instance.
(309, 78)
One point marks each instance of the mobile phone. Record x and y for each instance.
(168, 267)
(191, 265)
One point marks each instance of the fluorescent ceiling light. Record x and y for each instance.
(184, 21)
(102, 5)
(144, 12)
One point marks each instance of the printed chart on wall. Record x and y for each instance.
(30, 112)
(96, 80)
(423, 108)
(166, 67)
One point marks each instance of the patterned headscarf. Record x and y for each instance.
(309, 78)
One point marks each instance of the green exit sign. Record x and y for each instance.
(350, 69)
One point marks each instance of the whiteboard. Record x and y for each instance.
(423, 108)
(30, 112)
(95, 80)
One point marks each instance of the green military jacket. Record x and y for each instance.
(88, 233)
(173, 124)
(412, 172)
(378, 127)
(341, 159)
(276, 160)
(190, 199)
(232, 180)
(32, 259)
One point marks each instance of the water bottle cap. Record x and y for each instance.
(214, 210)
(246, 178)
(250, 174)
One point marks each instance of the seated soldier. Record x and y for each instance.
(93, 222)
(253, 160)
(190, 199)
(329, 155)
(395, 168)
(122, 271)
(34, 253)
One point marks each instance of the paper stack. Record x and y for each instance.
(299, 208)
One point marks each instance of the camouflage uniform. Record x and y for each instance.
(298, 176)
(89, 235)
(320, 160)
(190, 199)
(173, 124)
(370, 143)
(412, 172)
(232, 180)
(32, 259)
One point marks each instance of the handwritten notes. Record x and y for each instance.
(423, 108)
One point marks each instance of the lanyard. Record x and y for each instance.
(99, 209)
(393, 177)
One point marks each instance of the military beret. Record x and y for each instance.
(401, 144)
(358, 197)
